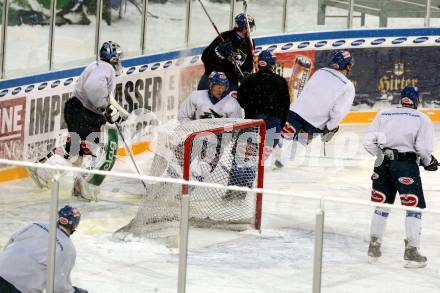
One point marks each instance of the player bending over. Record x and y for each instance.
(86, 114)
(23, 262)
(326, 99)
(400, 138)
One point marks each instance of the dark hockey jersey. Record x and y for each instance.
(241, 46)
(264, 93)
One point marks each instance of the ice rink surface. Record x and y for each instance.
(279, 259)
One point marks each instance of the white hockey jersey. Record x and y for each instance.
(23, 263)
(326, 99)
(94, 86)
(199, 103)
(402, 129)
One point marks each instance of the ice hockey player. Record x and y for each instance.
(400, 138)
(231, 49)
(86, 114)
(23, 262)
(215, 102)
(265, 95)
(332, 91)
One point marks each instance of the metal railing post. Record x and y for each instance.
(144, 26)
(98, 27)
(53, 5)
(188, 22)
(350, 14)
(52, 234)
(183, 243)
(317, 255)
(231, 14)
(3, 39)
(428, 13)
(285, 16)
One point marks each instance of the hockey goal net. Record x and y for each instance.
(222, 151)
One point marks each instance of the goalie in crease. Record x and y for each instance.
(86, 114)
(217, 103)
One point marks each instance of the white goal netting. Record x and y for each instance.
(223, 151)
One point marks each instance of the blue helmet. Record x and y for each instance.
(341, 59)
(410, 96)
(111, 52)
(240, 22)
(69, 217)
(266, 59)
(219, 78)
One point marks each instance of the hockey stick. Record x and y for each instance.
(221, 37)
(130, 154)
(248, 34)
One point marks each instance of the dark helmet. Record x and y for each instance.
(409, 97)
(341, 59)
(266, 59)
(241, 23)
(219, 78)
(111, 52)
(69, 217)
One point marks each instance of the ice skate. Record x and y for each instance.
(374, 251)
(276, 158)
(83, 191)
(413, 259)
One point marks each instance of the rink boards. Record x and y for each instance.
(386, 60)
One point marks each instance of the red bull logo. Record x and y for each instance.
(409, 200)
(377, 196)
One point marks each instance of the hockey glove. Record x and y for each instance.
(79, 290)
(112, 114)
(224, 50)
(433, 165)
(327, 134)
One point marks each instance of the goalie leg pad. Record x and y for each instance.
(103, 158)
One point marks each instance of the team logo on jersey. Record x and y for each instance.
(358, 42)
(377, 196)
(420, 40)
(338, 43)
(374, 176)
(16, 90)
(409, 200)
(406, 180)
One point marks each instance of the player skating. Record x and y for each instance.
(23, 262)
(265, 95)
(86, 114)
(326, 99)
(228, 52)
(400, 137)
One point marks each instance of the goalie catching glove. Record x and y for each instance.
(112, 114)
(327, 134)
(433, 165)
